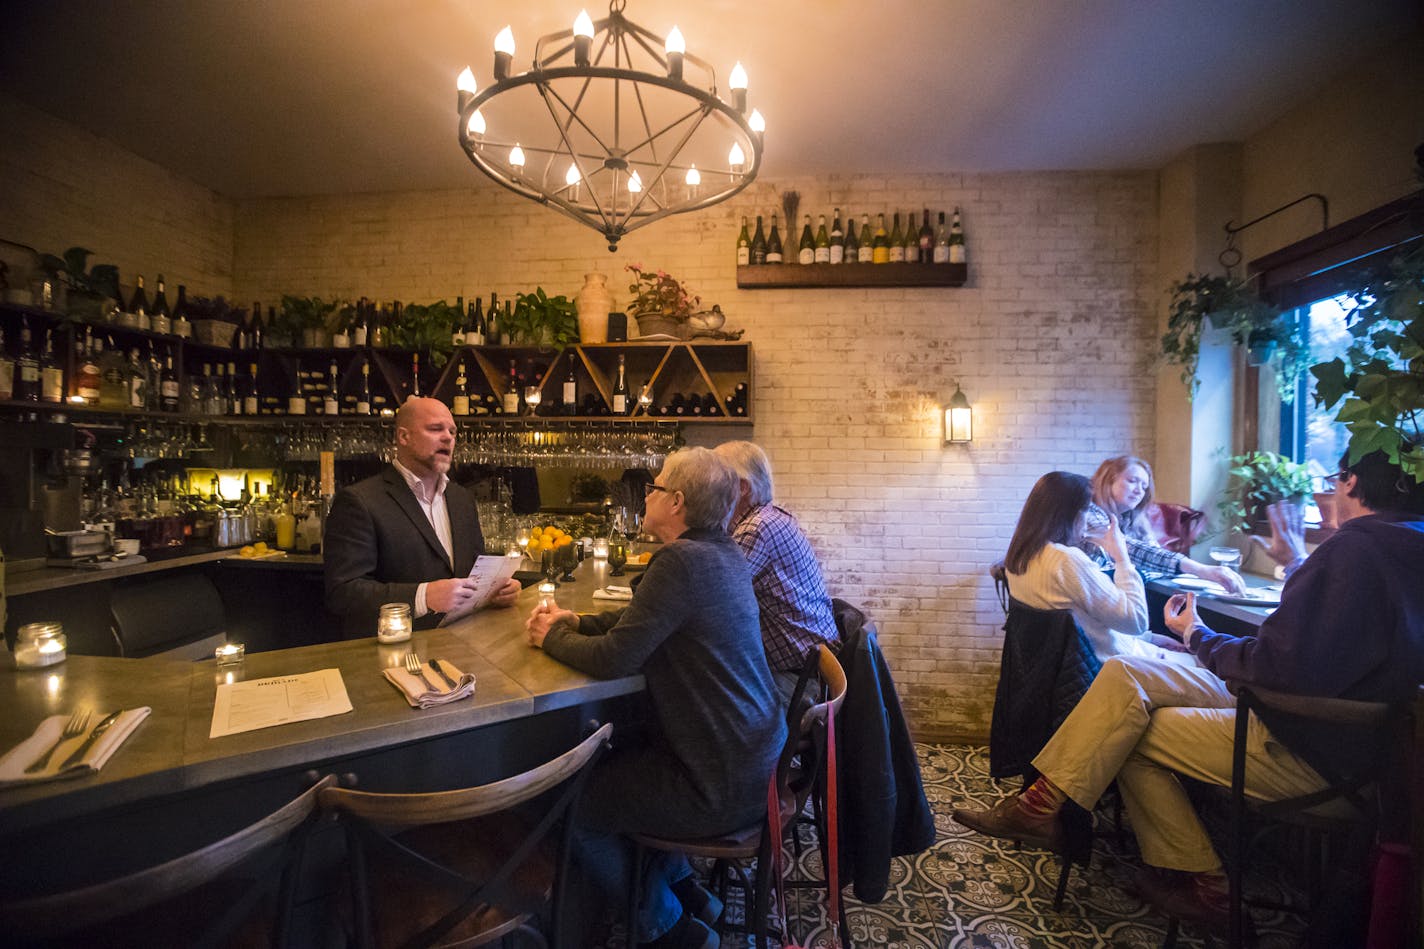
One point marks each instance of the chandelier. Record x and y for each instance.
(605, 128)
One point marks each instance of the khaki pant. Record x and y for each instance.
(1144, 722)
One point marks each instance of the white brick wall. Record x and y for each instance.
(1051, 340)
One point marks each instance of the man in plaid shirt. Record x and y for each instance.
(795, 607)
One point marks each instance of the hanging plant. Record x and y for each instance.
(1268, 335)
(1379, 384)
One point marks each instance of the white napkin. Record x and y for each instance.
(420, 697)
(17, 759)
(612, 592)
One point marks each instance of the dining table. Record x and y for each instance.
(1237, 615)
(170, 784)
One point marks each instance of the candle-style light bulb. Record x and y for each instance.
(675, 47)
(476, 125)
(635, 184)
(757, 123)
(736, 158)
(694, 180)
(516, 156)
(737, 82)
(464, 88)
(583, 38)
(572, 179)
(503, 53)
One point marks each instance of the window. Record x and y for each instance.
(1309, 432)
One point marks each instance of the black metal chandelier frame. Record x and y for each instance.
(605, 163)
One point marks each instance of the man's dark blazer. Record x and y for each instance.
(379, 547)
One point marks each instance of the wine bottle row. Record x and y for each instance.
(155, 316)
(924, 243)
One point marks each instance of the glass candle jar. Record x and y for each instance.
(600, 548)
(38, 645)
(546, 594)
(229, 653)
(394, 625)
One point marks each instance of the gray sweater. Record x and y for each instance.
(693, 630)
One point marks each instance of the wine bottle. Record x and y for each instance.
(806, 249)
(363, 401)
(252, 397)
(941, 245)
(926, 240)
(218, 399)
(113, 380)
(759, 244)
(138, 303)
(570, 393)
(744, 245)
(773, 246)
(182, 326)
(158, 317)
(89, 379)
(880, 246)
(694, 404)
(457, 333)
(296, 398)
(957, 252)
(511, 392)
(912, 241)
(492, 327)
(51, 373)
(331, 404)
(375, 333)
(460, 404)
(896, 248)
(620, 388)
(168, 390)
(823, 241)
(865, 250)
(259, 329)
(415, 375)
(7, 371)
(358, 330)
(475, 323)
(710, 406)
(155, 377)
(838, 240)
(138, 380)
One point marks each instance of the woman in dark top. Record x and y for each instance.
(715, 727)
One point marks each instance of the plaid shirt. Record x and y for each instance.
(1147, 556)
(795, 607)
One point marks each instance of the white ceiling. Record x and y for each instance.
(282, 97)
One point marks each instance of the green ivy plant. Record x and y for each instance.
(1232, 305)
(1256, 479)
(1379, 384)
(302, 313)
(536, 312)
(85, 284)
(424, 327)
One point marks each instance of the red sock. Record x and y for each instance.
(1042, 799)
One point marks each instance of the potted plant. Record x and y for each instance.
(541, 320)
(1232, 305)
(302, 320)
(424, 328)
(1258, 479)
(1379, 385)
(86, 290)
(215, 320)
(661, 303)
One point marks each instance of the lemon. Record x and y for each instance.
(248, 552)
(261, 547)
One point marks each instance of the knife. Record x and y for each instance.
(435, 664)
(94, 736)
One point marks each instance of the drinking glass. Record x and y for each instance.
(617, 557)
(549, 565)
(568, 560)
(1227, 557)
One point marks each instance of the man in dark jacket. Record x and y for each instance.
(1350, 625)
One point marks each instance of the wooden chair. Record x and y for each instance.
(464, 867)
(799, 770)
(206, 898)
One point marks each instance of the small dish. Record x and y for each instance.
(1197, 583)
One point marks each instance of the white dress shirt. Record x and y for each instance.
(437, 514)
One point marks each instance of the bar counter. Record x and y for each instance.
(170, 757)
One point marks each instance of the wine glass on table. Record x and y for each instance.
(617, 555)
(568, 559)
(1227, 557)
(549, 565)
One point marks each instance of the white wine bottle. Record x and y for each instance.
(744, 245)
(865, 247)
(363, 401)
(806, 251)
(941, 244)
(880, 244)
(758, 252)
(823, 242)
(331, 403)
(957, 253)
(926, 240)
(838, 240)
(896, 249)
(460, 405)
(773, 246)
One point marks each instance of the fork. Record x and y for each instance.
(73, 728)
(413, 666)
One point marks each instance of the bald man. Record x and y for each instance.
(406, 535)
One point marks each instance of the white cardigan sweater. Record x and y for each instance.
(1113, 613)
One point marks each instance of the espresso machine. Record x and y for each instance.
(41, 494)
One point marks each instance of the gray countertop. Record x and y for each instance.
(171, 752)
(1206, 603)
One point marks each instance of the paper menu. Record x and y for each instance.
(489, 574)
(262, 703)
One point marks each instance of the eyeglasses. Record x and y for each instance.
(649, 488)
(1334, 479)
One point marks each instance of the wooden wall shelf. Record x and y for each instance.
(849, 276)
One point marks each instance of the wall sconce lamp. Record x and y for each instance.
(958, 419)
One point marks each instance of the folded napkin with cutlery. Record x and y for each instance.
(106, 737)
(612, 592)
(436, 671)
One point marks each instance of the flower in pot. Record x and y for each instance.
(1256, 480)
(541, 320)
(661, 303)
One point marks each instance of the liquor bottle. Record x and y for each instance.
(773, 246)
(475, 324)
(823, 242)
(620, 389)
(168, 386)
(457, 332)
(941, 244)
(744, 245)
(880, 245)
(806, 249)
(957, 252)
(138, 380)
(251, 398)
(331, 405)
(182, 326)
(158, 316)
(838, 240)
(570, 393)
(865, 250)
(415, 375)
(89, 380)
(896, 248)
(113, 379)
(363, 401)
(51, 373)
(759, 244)
(511, 392)
(926, 240)
(138, 303)
(460, 404)
(7, 371)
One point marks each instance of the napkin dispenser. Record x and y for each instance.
(72, 545)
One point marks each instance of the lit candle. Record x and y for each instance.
(38, 645)
(394, 624)
(229, 653)
(546, 595)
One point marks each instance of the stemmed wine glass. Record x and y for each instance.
(568, 560)
(617, 556)
(1227, 557)
(549, 565)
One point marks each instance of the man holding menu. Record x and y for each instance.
(408, 534)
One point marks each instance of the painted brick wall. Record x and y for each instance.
(1051, 341)
(62, 186)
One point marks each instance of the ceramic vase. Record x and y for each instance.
(593, 303)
